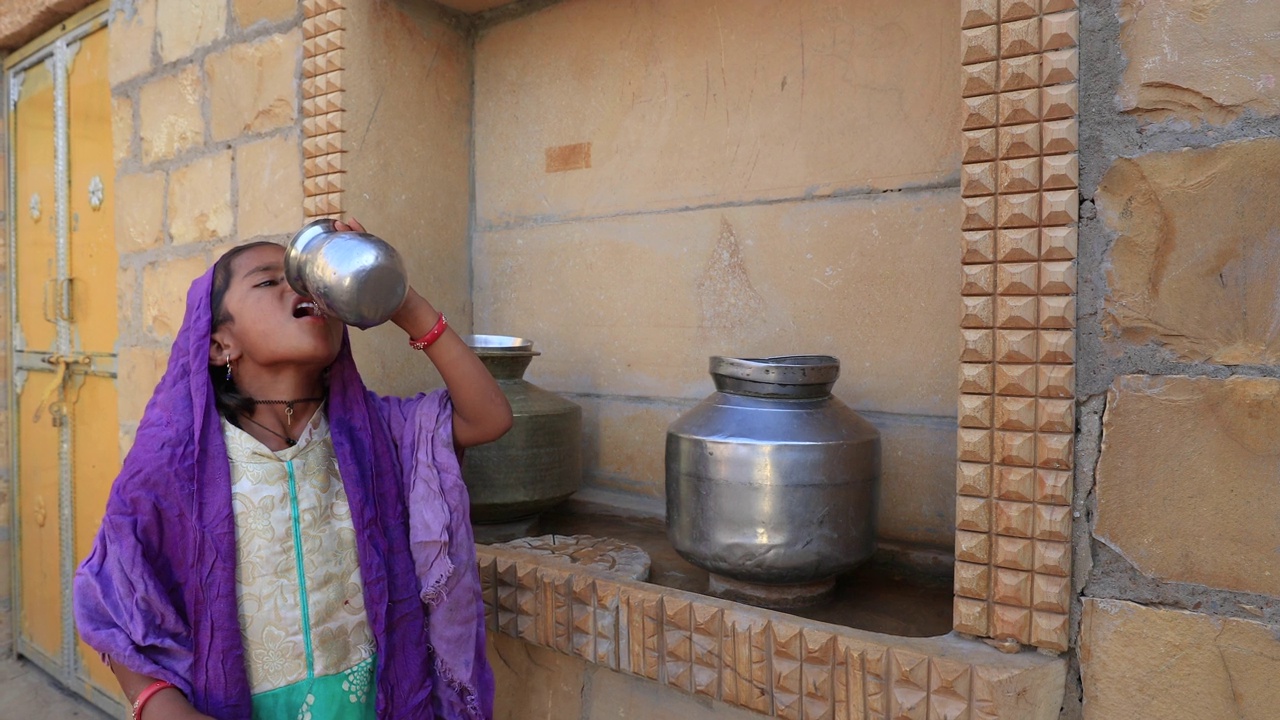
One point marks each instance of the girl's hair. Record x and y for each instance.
(230, 401)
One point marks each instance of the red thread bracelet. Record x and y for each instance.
(147, 694)
(432, 335)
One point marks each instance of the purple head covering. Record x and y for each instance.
(158, 592)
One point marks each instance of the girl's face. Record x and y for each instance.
(271, 325)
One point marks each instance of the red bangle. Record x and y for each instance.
(432, 335)
(147, 694)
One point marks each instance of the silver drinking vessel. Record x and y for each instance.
(354, 276)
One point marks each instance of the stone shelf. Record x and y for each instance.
(773, 663)
(879, 596)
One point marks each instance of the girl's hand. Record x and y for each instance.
(481, 412)
(348, 226)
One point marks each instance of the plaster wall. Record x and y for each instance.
(664, 181)
(407, 165)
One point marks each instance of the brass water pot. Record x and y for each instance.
(538, 463)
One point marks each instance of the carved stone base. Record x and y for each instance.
(605, 554)
(778, 597)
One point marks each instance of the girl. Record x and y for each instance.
(281, 542)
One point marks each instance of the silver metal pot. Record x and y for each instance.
(354, 276)
(538, 463)
(772, 483)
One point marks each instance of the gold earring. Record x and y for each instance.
(228, 367)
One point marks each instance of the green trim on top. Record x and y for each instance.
(302, 579)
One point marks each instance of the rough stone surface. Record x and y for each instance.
(681, 103)
(604, 554)
(140, 203)
(131, 38)
(635, 305)
(170, 119)
(248, 12)
(27, 692)
(1204, 61)
(140, 371)
(24, 20)
(615, 696)
(253, 87)
(200, 199)
(534, 682)
(164, 294)
(1186, 484)
(1142, 662)
(121, 128)
(164, 285)
(269, 173)
(186, 26)
(1196, 266)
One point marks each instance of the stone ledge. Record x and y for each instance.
(23, 20)
(772, 663)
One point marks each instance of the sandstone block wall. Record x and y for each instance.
(207, 133)
(660, 182)
(1177, 370)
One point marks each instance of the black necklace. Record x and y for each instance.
(288, 440)
(288, 409)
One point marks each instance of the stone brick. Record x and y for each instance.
(127, 296)
(1186, 484)
(200, 199)
(1196, 266)
(635, 305)
(269, 174)
(1199, 61)
(253, 87)
(140, 202)
(121, 127)
(164, 294)
(534, 682)
(140, 371)
(131, 40)
(248, 12)
(170, 119)
(1143, 662)
(184, 27)
(687, 103)
(617, 696)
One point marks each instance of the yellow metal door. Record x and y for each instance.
(64, 320)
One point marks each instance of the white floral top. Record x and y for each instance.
(298, 581)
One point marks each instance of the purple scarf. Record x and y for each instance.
(158, 592)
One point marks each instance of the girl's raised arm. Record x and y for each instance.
(481, 412)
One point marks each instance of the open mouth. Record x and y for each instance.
(306, 308)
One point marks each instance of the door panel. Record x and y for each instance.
(65, 323)
(40, 621)
(95, 462)
(40, 564)
(36, 209)
(94, 262)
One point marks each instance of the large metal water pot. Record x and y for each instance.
(538, 463)
(772, 482)
(354, 276)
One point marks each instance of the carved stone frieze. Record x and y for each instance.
(323, 30)
(772, 663)
(1017, 377)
